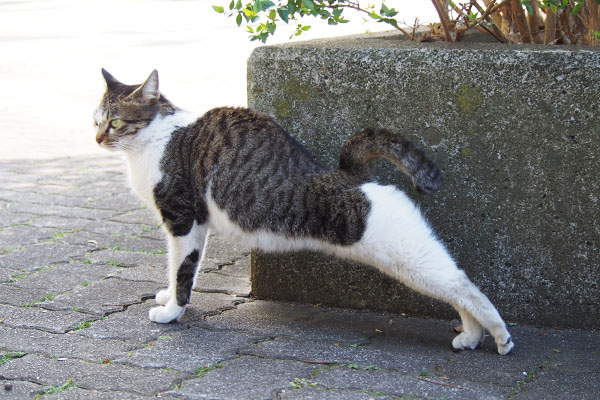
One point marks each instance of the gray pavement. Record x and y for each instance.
(80, 261)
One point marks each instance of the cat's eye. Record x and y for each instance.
(116, 123)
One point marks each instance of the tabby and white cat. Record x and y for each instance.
(237, 172)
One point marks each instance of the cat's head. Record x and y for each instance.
(125, 109)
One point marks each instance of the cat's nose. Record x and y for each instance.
(100, 136)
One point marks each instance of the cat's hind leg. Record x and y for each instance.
(398, 241)
(184, 257)
(472, 334)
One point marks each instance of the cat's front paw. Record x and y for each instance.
(163, 297)
(166, 314)
(469, 341)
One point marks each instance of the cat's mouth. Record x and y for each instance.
(108, 144)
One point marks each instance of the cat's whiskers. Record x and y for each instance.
(126, 146)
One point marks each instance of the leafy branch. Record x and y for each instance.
(509, 21)
(261, 16)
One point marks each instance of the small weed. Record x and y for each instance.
(85, 283)
(55, 389)
(87, 261)
(42, 300)
(372, 368)
(59, 235)
(164, 337)
(201, 372)
(511, 324)
(16, 277)
(48, 297)
(119, 248)
(145, 229)
(178, 385)
(114, 263)
(424, 374)
(12, 249)
(298, 383)
(355, 346)
(76, 309)
(9, 356)
(83, 325)
(317, 371)
(170, 370)
(47, 268)
(351, 366)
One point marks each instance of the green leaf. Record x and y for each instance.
(576, 8)
(332, 21)
(291, 7)
(238, 5)
(266, 4)
(284, 14)
(238, 19)
(218, 9)
(324, 14)
(271, 28)
(309, 4)
(249, 13)
(232, 4)
(387, 11)
(527, 5)
(390, 21)
(272, 15)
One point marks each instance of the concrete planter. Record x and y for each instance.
(516, 131)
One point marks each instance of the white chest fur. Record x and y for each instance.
(148, 147)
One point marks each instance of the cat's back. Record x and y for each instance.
(236, 139)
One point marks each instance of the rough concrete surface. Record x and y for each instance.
(513, 128)
(77, 283)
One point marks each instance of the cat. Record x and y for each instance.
(235, 171)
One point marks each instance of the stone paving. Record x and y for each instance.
(80, 261)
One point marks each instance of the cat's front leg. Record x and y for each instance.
(184, 256)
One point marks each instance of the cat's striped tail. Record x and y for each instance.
(371, 143)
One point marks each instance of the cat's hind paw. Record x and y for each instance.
(163, 297)
(166, 314)
(468, 341)
(504, 349)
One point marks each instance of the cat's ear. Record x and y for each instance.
(111, 81)
(148, 91)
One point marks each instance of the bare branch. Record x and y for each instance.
(519, 16)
